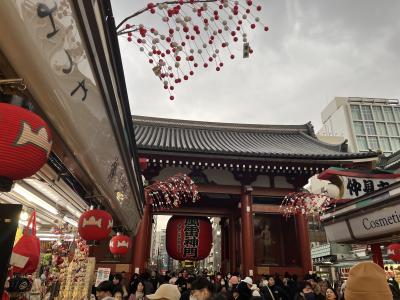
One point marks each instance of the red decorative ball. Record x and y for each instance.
(95, 225)
(25, 142)
(394, 252)
(171, 98)
(120, 244)
(253, 26)
(191, 244)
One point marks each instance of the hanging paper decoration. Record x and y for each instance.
(173, 192)
(306, 203)
(188, 238)
(95, 225)
(25, 144)
(193, 34)
(393, 252)
(120, 244)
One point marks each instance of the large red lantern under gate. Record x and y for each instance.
(189, 238)
(95, 225)
(393, 252)
(25, 144)
(120, 244)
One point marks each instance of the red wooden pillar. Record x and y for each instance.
(247, 232)
(140, 251)
(223, 243)
(304, 241)
(377, 254)
(232, 245)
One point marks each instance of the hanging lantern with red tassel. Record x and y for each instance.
(95, 225)
(120, 244)
(25, 144)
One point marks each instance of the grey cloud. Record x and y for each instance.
(314, 51)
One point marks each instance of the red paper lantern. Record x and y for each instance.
(95, 225)
(120, 244)
(25, 143)
(393, 252)
(189, 238)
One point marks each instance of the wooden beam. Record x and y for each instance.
(199, 211)
(267, 208)
(236, 190)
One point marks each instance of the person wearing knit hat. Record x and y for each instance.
(367, 281)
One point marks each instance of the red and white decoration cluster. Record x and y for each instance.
(306, 204)
(393, 252)
(173, 192)
(194, 34)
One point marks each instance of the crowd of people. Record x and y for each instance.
(366, 281)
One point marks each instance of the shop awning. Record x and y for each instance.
(71, 66)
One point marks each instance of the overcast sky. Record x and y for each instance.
(315, 50)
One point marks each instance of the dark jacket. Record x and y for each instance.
(244, 291)
(277, 292)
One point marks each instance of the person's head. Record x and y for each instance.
(117, 279)
(201, 289)
(139, 286)
(330, 294)
(166, 292)
(271, 280)
(367, 281)
(118, 295)
(249, 282)
(306, 287)
(153, 274)
(104, 289)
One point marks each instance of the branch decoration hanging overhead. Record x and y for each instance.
(192, 34)
(173, 192)
(306, 203)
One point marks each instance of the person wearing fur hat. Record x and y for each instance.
(367, 281)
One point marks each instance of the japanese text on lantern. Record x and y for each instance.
(191, 238)
(179, 238)
(44, 11)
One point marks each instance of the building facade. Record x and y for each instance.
(367, 123)
(242, 171)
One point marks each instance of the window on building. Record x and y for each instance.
(397, 113)
(370, 128)
(388, 113)
(385, 144)
(362, 143)
(392, 128)
(373, 143)
(381, 128)
(359, 127)
(355, 112)
(395, 143)
(366, 112)
(377, 112)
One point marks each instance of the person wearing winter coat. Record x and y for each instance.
(306, 292)
(271, 291)
(244, 289)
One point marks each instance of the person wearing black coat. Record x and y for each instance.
(273, 292)
(244, 290)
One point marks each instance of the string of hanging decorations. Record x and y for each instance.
(193, 34)
(173, 192)
(306, 203)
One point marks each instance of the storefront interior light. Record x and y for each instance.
(70, 221)
(29, 196)
(23, 216)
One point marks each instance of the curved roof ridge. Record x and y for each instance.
(155, 121)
